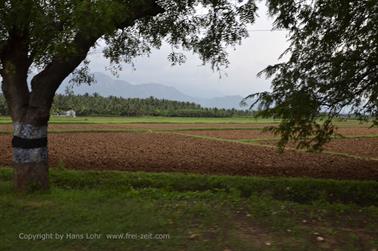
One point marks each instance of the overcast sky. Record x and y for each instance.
(256, 52)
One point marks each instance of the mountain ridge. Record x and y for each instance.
(107, 86)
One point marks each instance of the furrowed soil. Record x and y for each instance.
(260, 134)
(363, 147)
(359, 146)
(151, 151)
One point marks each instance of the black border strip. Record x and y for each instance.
(18, 142)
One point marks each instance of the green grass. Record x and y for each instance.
(176, 120)
(149, 120)
(154, 119)
(111, 130)
(197, 212)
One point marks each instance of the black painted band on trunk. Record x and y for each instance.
(18, 142)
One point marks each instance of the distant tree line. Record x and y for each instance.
(96, 105)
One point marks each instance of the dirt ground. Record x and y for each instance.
(259, 134)
(234, 134)
(361, 147)
(170, 152)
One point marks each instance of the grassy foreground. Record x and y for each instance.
(144, 211)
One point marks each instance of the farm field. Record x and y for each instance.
(149, 120)
(193, 184)
(201, 145)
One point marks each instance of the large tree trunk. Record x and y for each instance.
(30, 151)
(30, 157)
(30, 113)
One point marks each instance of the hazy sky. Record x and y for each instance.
(256, 52)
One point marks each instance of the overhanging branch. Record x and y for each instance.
(49, 79)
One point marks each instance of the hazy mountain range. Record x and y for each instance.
(107, 86)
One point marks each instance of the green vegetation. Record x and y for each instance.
(87, 105)
(197, 212)
(95, 105)
(149, 120)
(172, 120)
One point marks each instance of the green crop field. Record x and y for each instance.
(170, 120)
(159, 120)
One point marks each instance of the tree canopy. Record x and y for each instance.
(332, 68)
(54, 37)
(56, 29)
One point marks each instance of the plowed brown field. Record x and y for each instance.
(259, 134)
(363, 147)
(151, 151)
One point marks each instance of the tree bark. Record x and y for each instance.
(30, 153)
(29, 142)
(30, 157)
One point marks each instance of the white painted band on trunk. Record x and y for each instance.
(23, 156)
(28, 131)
